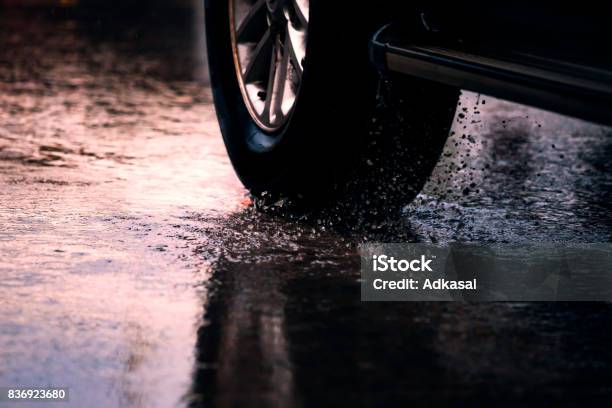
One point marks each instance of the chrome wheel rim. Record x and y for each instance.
(269, 50)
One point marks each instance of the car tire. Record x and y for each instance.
(324, 146)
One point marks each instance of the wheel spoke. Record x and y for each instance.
(267, 111)
(280, 82)
(256, 68)
(253, 23)
(296, 49)
(301, 9)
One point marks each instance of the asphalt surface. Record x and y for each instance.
(135, 269)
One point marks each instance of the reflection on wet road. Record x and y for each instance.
(135, 271)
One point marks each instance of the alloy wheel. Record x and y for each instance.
(269, 49)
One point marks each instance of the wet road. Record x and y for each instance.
(135, 270)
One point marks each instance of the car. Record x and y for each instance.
(295, 82)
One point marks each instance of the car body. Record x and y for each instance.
(550, 57)
(295, 83)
